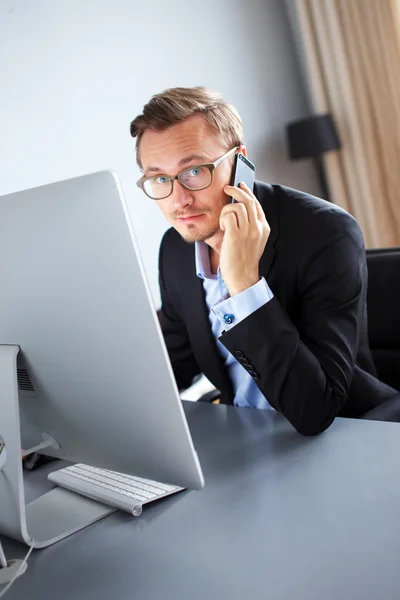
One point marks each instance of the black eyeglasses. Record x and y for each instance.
(195, 178)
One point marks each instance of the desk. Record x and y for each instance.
(281, 517)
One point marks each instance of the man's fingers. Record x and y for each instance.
(228, 221)
(239, 212)
(243, 195)
(259, 209)
(250, 204)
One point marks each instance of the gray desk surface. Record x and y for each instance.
(281, 517)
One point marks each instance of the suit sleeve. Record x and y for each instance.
(305, 372)
(176, 338)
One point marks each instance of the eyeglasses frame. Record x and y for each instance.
(210, 166)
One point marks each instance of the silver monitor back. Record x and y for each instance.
(93, 369)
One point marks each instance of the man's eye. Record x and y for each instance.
(161, 180)
(194, 171)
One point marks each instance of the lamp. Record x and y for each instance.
(311, 138)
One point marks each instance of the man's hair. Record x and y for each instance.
(177, 104)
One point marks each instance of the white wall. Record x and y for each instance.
(73, 74)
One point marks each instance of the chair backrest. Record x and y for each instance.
(383, 303)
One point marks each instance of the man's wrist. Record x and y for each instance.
(242, 285)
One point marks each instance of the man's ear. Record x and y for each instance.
(242, 149)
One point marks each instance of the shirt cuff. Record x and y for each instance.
(232, 311)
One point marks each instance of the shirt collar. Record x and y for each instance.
(202, 257)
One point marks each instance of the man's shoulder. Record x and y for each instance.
(173, 243)
(175, 253)
(172, 237)
(298, 214)
(291, 201)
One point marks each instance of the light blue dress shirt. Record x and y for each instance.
(221, 307)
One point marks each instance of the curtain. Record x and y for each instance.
(352, 53)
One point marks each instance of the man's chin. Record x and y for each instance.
(192, 236)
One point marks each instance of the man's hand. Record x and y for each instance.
(246, 234)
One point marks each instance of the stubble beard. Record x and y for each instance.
(190, 237)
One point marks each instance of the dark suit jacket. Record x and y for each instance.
(309, 344)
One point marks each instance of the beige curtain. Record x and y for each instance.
(352, 55)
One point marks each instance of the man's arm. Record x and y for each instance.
(175, 334)
(305, 372)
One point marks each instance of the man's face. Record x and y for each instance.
(195, 215)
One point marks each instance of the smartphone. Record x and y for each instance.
(243, 170)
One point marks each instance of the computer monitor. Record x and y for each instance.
(94, 380)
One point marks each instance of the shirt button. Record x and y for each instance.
(229, 318)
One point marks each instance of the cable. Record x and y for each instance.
(20, 570)
(3, 561)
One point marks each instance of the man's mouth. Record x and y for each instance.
(189, 218)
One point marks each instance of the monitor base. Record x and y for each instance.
(51, 517)
(10, 572)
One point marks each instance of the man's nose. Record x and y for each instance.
(181, 196)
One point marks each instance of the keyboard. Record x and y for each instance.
(126, 492)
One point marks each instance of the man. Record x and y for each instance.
(265, 296)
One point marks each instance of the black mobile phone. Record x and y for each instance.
(243, 170)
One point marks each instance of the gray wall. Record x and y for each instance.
(74, 73)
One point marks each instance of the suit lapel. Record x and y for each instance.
(267, 198)
(200, 333)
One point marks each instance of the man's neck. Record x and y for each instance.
(214, 249)
(214, 260)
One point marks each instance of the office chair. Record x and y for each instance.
(383, 303)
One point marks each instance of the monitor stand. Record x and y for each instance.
(54, 515)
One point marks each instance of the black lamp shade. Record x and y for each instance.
(312, 137)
